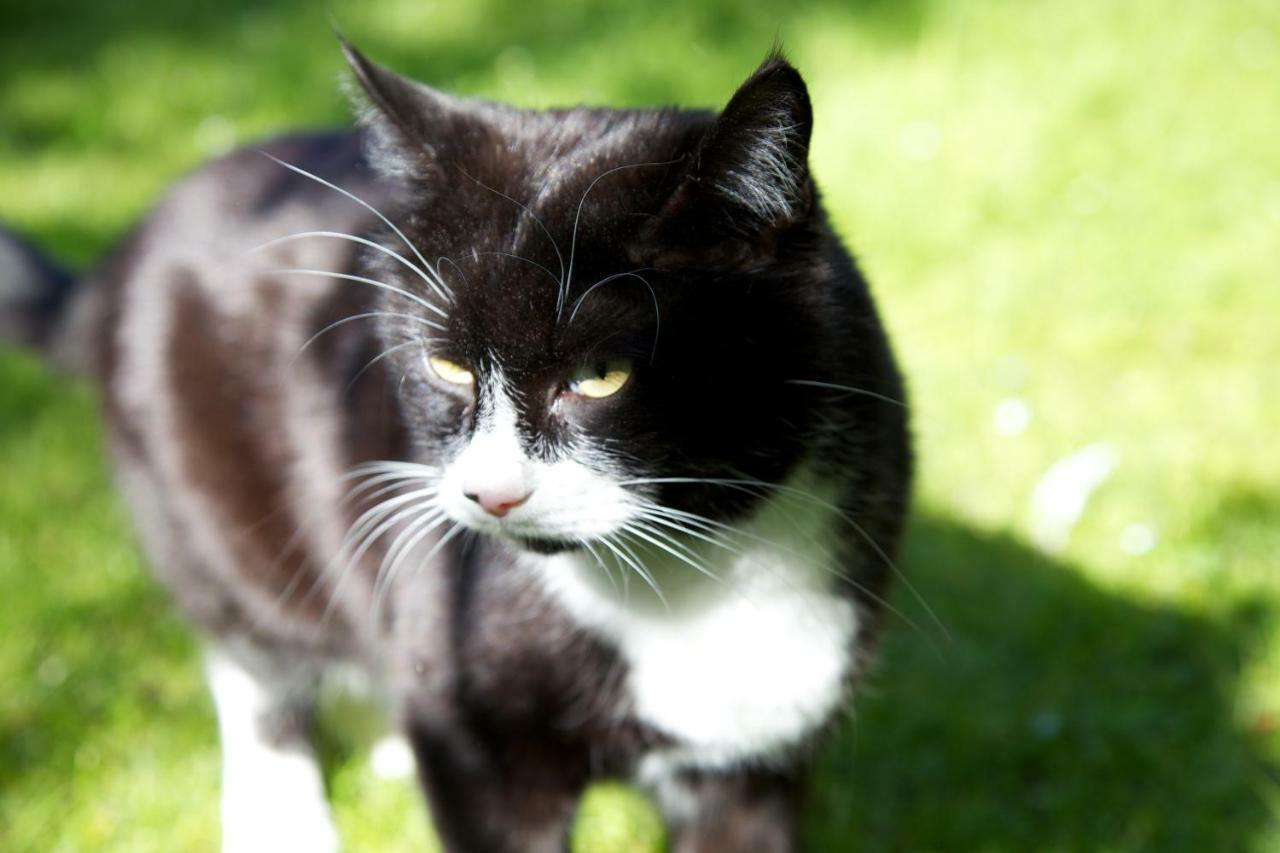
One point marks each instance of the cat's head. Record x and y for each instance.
(609, 321)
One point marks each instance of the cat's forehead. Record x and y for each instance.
(550, 184)
(539, 262)
(529, 320)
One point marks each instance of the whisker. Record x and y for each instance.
(635, 530)
(749, 485)
(366, 316)
(516, 257)
(451, 262)
(674, 524)
(377, 358)
(350, 560)
(406, 541)
(846, 388)
(536, 220)
(567, 279)
(371, 475)
(586, 544)
(352, 238)
(376, 478)
(625, 556)
(362, 280)
(367, 528)
(392, 465)
(657, 313)
(304, 173)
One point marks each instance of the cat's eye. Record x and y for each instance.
(602, 378)
(450, 371)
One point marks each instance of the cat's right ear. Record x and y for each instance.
(747, 182)
(412, 125)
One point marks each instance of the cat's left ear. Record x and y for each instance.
(749, 178)
(413, 127)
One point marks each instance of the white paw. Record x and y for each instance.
(392, 758)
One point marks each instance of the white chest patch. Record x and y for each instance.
(736, 669)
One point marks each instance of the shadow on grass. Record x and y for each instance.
(1058, 716)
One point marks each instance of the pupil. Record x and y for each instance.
(602, 370)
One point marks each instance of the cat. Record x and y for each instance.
(575, 430)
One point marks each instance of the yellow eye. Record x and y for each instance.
(602, 379)
(450, 371)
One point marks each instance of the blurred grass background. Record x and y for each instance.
(1070, 212)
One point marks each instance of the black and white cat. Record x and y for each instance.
(576, 430)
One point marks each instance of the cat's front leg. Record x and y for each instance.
(499, 793)
(273, 796)
(741, 811)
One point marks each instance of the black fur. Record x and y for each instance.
(692, 243)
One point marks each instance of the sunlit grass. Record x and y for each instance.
(1072, 209)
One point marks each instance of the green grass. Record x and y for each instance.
(1073, 205)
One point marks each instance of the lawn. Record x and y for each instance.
(1070, 212)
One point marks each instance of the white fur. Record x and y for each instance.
(767, 182)
(272, 797)
(567, 498)
(392, 758)
(737, 669)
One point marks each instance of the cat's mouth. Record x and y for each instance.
(545, 545)
(522, 534)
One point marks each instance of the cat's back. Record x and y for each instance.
(228, 426)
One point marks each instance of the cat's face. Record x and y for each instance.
(613, 314)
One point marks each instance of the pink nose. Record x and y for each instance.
(498, 502)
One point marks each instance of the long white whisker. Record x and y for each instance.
(536, 220)
(371, 478)
(625, 556)
(376, 478)
(394, 466)
(379, 357)
(657, 312)
(352, 238)
(646, 523)
(573, 245)
(361, 279)
(410, 519)
(746, 484)
(586, 544)
(405, 543)
(304, 173)
(686, 526)
(846, 388)
(366, 316)
(516, 257)
(384, 587)
(635, 530)
(368, 523)
(356, 544)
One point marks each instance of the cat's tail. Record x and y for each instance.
(35, 296)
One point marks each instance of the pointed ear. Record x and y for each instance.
(749, 180)
(412, 126)
(756, 155)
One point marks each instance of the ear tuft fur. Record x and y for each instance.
(748, 181)
(756, 155)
